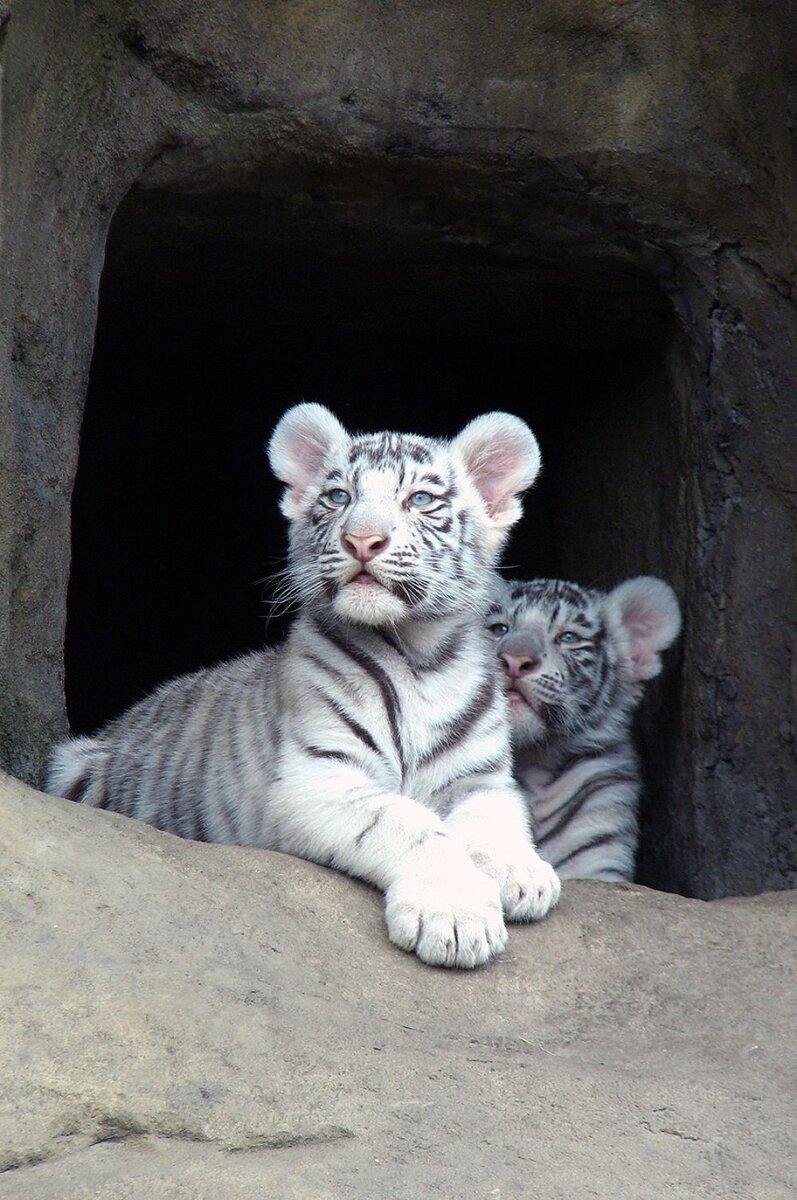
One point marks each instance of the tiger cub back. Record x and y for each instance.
(575, 661)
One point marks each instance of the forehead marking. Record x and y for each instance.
(375, 448)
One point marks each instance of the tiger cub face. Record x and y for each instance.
(575, 659)
(391, 527)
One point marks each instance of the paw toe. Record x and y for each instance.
(531, 895)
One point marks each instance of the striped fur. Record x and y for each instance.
(575, 661)
(374, 740)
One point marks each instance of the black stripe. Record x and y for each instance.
(378, 449)
(158, 820)
(201, 830)
(104, 800)
(333, 755)
(145, 737)
(443, 655)
(326, 667)
(183, 751)
(391, 641)
(614, 688)
(580, 797)
(201, 770)
(169, 803)
(176, 787)
(427, 537)
(380, 678)
(238, 759)
(474, 774)
(603, 675)
(456, 728)
(573, 760)
(488, 766)
(76, 791)
(601, 840)
(420, 664)
(359, 731)
(369, 828)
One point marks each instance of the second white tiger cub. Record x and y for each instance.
(374, 739)
(575, 661)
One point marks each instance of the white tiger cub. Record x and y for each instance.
(374, 739)
(575, 661)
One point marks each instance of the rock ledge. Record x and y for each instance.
(204, 1021)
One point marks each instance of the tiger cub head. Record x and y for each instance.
(389, 527)
(575, 660)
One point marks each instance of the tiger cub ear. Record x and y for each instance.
(502, 458)
(649, 613)
(298, 449)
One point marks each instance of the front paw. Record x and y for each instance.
(448, 923)
(529, 887)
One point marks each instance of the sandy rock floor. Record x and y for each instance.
(183, 1020)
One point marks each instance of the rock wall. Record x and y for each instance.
(572, 179)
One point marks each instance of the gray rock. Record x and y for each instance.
(184, 1020)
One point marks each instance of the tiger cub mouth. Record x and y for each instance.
(365, 580)
(357, 576)
(517, 701)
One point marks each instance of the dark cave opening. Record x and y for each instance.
(206, 334)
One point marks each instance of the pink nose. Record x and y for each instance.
(365, 546)
(517, 664)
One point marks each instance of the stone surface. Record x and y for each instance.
(184, 1020)
(594, 180)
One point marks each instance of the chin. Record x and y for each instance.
(527, 728)
(369, 605)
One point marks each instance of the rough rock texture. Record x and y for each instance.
(187, 1020)
(610, 184)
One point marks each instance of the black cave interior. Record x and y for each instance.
(208, 331)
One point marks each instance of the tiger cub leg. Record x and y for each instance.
(493, 827)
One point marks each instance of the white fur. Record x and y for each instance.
(256, 751)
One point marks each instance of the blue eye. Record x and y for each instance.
(499, 628)
(338, 497)
(568, 636)
(420, 499)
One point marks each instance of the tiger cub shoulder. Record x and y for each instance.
(575, 662)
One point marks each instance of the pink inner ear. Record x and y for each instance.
(301, 442)
(492, 487)
(308, 453)
(643, 658)
(502, 458)
(640, 622)
(496, 477)
(644, 624)
(648, 611)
